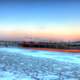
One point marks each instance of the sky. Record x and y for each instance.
(40, 19)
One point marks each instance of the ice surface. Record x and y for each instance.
(26, 64)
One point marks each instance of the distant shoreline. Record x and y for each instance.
(73, 47)
(57, 50)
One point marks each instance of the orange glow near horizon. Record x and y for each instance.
(51, 33)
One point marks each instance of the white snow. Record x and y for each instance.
(61, 56)
(27, 64)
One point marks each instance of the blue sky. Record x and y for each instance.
(39, 12)
(35, 15)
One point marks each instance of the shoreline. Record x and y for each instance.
(57, 50)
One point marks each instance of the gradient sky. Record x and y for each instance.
(45, 19)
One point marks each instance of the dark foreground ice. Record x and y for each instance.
(22, 64)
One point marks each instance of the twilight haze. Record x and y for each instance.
(44, 19)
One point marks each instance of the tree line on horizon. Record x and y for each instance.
(32, 44)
